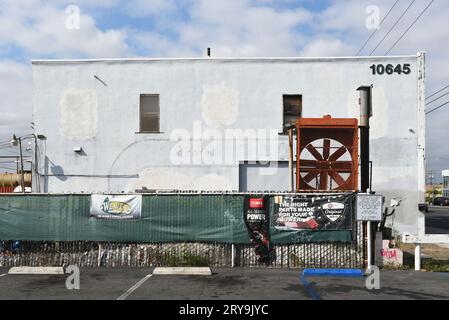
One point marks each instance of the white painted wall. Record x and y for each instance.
(74, 109)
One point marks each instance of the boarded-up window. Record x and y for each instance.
(149, 113)
(292, 109)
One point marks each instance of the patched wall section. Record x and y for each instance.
(171, 178)
(220, 105)
(78, 114)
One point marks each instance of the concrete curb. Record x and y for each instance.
(36, 270)
(183, 271)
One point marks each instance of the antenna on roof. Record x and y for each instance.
(208, 52)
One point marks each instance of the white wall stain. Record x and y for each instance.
(213, 182)
(78, 114)
(220, 105)
(173, 179)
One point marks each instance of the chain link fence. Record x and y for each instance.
(111, 254)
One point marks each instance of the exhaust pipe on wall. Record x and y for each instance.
(366, 113)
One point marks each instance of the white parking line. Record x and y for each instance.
(1, 275)
(134, 287)
(36, 270)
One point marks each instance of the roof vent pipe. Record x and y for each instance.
(366, 112)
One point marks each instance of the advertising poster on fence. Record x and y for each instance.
(119, 207)
(333, 212)
(257, 222)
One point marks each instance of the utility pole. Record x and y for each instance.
(431, 177)
(22, 178)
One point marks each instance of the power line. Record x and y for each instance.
(394, 26)
(5, 143)
(375, 31)
(439, 107)
(438, 98)
(440, 157)
(411, 26)
(434, 94)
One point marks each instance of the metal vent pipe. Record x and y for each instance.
(366, 113)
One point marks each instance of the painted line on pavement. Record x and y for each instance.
(134, 287)
(36, 270)
(312, 293)
(1, 275)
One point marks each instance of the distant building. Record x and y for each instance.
(446, 183)
(435, 187)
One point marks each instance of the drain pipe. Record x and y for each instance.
(290, 160)
(365, 102)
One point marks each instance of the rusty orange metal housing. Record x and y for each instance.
(326, 167)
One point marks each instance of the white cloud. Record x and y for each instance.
(37, 29)
(242, 28)
(40, 30)
(158, 45)
(327, 47)
(15, 102)
(142, 8)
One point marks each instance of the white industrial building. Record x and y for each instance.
(117, 125)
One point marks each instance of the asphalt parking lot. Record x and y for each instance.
(224, 284)
(437, 220)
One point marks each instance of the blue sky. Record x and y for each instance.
(35, 29)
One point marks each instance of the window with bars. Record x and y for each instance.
(149, 113)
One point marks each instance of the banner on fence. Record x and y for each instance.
(328, 212)
(257, 222)
(121, 207)
(173, 218)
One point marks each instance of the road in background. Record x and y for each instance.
(437, 220)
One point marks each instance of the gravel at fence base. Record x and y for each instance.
(95, 254)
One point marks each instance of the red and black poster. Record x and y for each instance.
(257, 222)
(326, 212)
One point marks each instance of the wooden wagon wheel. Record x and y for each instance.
(325, 168)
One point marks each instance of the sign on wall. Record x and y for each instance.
(256, 217)
(313, 213)
(123, 207)
(369, 207)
